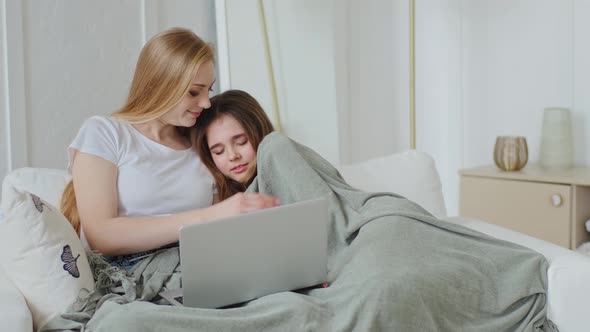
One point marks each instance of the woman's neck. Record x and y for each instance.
(163, 133)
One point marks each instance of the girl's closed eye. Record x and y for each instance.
(217, 151)
(194, 93)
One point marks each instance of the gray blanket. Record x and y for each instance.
(392, 267)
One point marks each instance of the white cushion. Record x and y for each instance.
(46, 183)
(14, 313)
(411, 174)
(41, 253)
(568, 275)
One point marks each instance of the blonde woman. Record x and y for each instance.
(136, 179)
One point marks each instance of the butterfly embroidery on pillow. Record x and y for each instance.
(38, 203)
(70, 261)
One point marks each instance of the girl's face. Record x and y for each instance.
(230, 148)
(186, 112)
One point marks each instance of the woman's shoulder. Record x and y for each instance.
(101, 131)
(99, 136)
(102, 121)
(105, 125)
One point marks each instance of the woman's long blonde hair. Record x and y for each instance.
(167, 64)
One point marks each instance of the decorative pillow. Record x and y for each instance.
(47, 183)
(411, 174)
(41, 254)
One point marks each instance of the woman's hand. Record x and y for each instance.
(244, 202)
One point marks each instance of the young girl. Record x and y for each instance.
(136, 179)
(227, 136)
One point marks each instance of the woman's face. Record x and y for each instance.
(231, 150)
(186, 112)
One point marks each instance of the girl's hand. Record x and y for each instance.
(245, 202)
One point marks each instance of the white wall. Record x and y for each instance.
(378, 78)
(581, 72)
(4, 133)
(68, 60)
(517, 60)
(439, 113)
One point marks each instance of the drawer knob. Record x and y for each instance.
(556, 200)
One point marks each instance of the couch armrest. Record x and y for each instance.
(14, 312)
(568, 274)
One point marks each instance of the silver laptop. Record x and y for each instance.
(237, 259)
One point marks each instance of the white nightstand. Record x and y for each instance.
(549, 205)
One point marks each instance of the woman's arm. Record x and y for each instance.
(95, 185)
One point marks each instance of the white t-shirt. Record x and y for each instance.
(152, 178)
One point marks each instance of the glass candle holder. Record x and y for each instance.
(511, 153)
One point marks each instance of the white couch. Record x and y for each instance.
(412, 174)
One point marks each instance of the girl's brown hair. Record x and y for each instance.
(249, 114)
(166, 66)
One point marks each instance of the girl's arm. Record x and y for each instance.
(95, 185)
